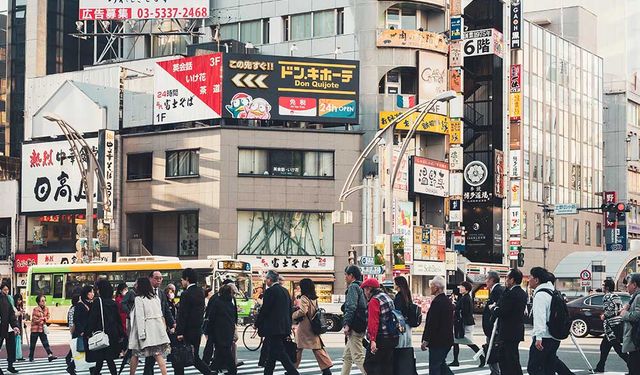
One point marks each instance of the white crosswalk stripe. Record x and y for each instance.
(308, 366)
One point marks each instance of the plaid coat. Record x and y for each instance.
(38, 319)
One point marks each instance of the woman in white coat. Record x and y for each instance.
(148, 334)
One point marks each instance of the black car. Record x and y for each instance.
(585, 313)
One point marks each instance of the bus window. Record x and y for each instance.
(41, 284)
(57, 285)
(72, 286)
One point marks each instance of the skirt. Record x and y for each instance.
(152, 351)
(468, 337)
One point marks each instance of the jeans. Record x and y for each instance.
(605, 348)
(278, 353)
(45, 343)
(381, 363)
(510, 358)
(543, 362)
(438, 361)
(353, 353)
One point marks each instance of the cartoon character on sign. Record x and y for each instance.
(259, 109)
(239, 105)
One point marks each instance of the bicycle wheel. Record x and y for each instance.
(250, 338)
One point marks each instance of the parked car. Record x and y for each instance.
(585, 313)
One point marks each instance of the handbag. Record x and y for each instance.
(182, 354)
(45, 329)
(359, 322)
(99, 339)
(291, 348)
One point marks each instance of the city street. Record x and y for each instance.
(334, 342)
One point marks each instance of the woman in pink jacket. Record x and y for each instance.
(39, 319)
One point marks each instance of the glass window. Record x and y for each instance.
(587, 233)
(286, 163)
(537, 226)
(596, 301)
(40, 284)
(188, 236)
(182, 163)
(409, 21)
(324, 23)
(253, 162)
(393, 18)
(300, 27)
(229, 31)
(58, 284)
(524, 224)
(139, 166)
(340, 21)
(563, 229)
(598, 234)
(250, 32)
(576, 231)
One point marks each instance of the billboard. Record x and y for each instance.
(483, 42)
(430, 177)
(51, 179)
(142, 10)
(188, 89)
(406, 38)
(430, 123)
(433, 78)
(515, 28)
(285, 88)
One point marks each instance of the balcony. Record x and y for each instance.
(414, 39)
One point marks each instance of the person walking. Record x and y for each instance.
(543, 352)
(402, 301)
(20, 312)
(630, 316)
(148, 332)
(10, 336)
(189, 321)
(156, 278)
(208, 328)
(510, 314)
(104, 317)
(380, 331)
(81, 319)
(354, 321)
(495, 293)
(463, 324)
(438, 328)
(306, 338)
(612, 323)
(39, 328)
(71, 368)
(221, 329)
(122, 291)
(8, 328)
(274, 324)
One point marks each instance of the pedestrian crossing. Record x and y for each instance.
(308, 367)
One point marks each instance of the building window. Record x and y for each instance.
(300, 26)
(250, 32)
(317, 24)
(550, 229)
(255, 32)
(324, 23)
(524, 224)
(599, 234)
(399, 81)
(537, 226)
(139, 166)
(229, 31)
(53, 233)
(285, 163)
(563, 230)
(587, 233)
(340, 21)
(188, 235)
(5, 238)
(401, 19)
(576, 231)
(182, 163)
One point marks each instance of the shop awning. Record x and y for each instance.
(614, 262)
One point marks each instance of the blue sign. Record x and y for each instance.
(616, 238)
(456, 28)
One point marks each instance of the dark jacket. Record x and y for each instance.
(112, 327)
(438, 327)
(354, 299)
(190, 314)
(80, 318)
(494, 297)
(510, 312)
(464, 309)
(169, 318)
(222, 316)
(274, 318)
(402, 305)
(7, 316)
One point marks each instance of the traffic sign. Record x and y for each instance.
(515, 246)
(565, 209)
(585, 275)
(366, 261)
(586, 283)
(372, 270)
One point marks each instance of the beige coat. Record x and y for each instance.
(147, 324)
(305, 338)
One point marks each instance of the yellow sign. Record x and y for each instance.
(516, 106)
(413, 39)
(431, 123)
(455, 132)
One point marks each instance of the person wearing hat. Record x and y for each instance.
(379, 357)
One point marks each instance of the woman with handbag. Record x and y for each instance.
(306, 338)
(39, 328)
(463, 324)
(148, 334)
(104, 330)
(19, 301)
(80, 320)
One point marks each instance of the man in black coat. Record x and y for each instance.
(274, 324)
(156, 282)
(8, 317)
(510, 314)
(190, 316)
(495, 293)
(438, 328)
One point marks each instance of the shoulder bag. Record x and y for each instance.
(99, 339)
(359, 322)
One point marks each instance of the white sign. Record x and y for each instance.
(109, 174)
(456, 107)
(456, 158)
(51, 179)
(455, 210)
(372, 270)
(451, 262)
(585, 275)
(430, 177)
(565, 209)
(289, 263)
(585, 283)
(515, 164)
(365, 261)
(476, 173)
(67, 258)
(515, 193)
(483, 42)
(456, 184)
(433, 78)
(142, 10)
(514, 221)
(428, 268)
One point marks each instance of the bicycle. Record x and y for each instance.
(250, 338)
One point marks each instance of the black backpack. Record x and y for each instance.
(559, 323)
(414, 318)
(318, 324)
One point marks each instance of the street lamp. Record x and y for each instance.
(77, 143)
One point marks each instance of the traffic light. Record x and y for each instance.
(621, 210)
(353, 257)
(616, 211)
(521, 259)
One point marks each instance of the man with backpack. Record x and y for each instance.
(631, 317)
(550, 323)
(354, 321)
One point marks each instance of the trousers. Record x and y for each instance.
(353, 353)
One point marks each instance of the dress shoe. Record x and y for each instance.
(12, 370)
(454, 364)
(52, 358)
(483, 361)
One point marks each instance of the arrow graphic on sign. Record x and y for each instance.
(250, 80)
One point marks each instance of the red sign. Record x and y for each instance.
(24, 261)
(297, 106)
(610, 197)
(516, 78)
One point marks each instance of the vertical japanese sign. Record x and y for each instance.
(51, 179)
(455, 53)
(516, 24)
(456, 28)
(188, 89)
(109, 174)
(499, 171)
(456, 79)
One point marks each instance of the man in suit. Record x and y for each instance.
(495, 292)
(274, 324)
(189, 322)
(510, 314)
(8, 318)
(156, 282)
(438, 328)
